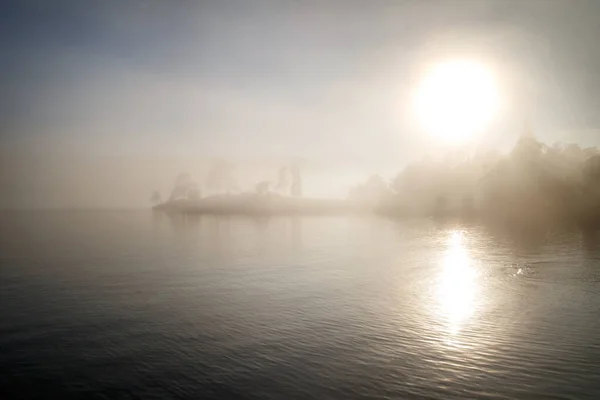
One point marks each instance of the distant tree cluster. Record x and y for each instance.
(534, 183)
(540, 183)
(220, 180)
(371, 192)
(185, 188)
(283, 186)
(220, 177)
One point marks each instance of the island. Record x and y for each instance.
(283, 198)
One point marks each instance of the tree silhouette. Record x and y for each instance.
(282, 180)
(156, 198)
(220, 177)
(184, 188)
(180, 187)
(534, 182)
(374, 190)
(193, 192)
(262, 188)
(296, 189)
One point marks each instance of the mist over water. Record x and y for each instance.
(108, 102)
(472, 125)
(140, 304)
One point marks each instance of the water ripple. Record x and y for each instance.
(293, 308)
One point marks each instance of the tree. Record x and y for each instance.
(282, 180)
(182, 181)
(184, 188)
(193, 192)
(156, 198)
(296, 189)
(220, 177)
(262, 188)
(371, 192)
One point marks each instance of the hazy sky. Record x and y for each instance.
(104, 101)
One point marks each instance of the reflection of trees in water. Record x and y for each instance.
(532, 241)
(208, 234)
(185, 226)
(219, 241)
(177, 223)
(591, 251)
(261, 225)
(522, 241)
(184, 230)
(157, 219)
(296, 233)
(591, 244)
(278, 235)
(184, 223)
(224, 236)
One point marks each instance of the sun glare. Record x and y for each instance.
(456, 99)
(457, 284)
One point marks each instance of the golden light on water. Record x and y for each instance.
(456, 99)
(457, 284)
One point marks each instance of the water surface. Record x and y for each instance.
(99, 304)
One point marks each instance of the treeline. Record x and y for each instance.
(220, 180)
(534, 184)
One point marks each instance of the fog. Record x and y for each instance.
(118, 181)
(106, 103)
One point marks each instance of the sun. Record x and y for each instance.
(456, 100)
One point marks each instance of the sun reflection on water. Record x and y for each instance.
(457, 284)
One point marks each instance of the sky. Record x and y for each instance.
(105, 101)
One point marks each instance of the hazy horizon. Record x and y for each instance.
(106, 101)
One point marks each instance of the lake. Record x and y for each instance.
(140, 305)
